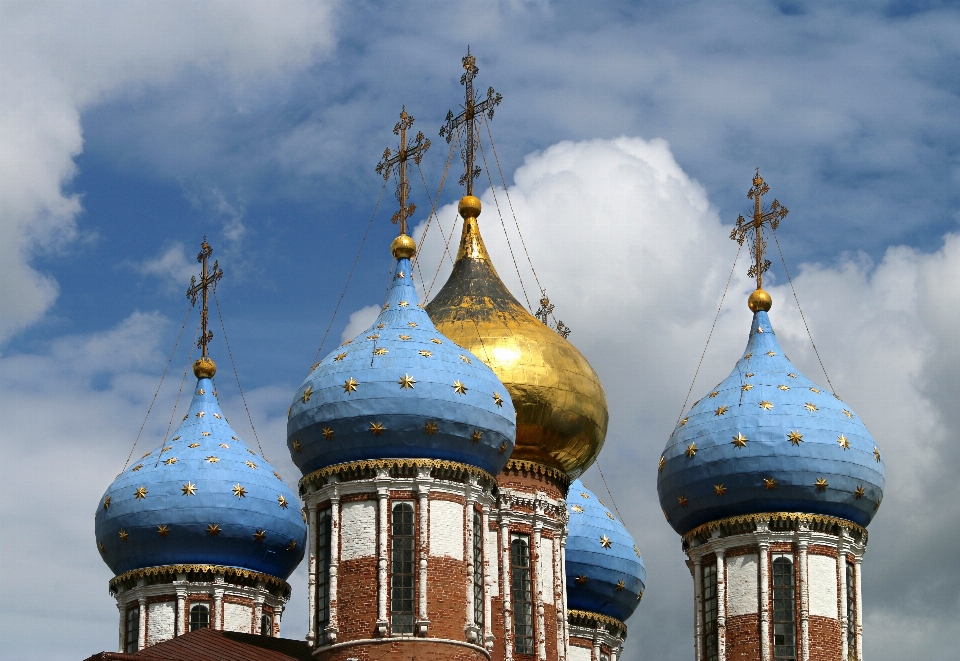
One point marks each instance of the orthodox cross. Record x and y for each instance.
(770, 217)
(208, 279)
(471, 110)
(399, 160)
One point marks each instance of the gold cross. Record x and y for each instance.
(399, 160)
(771, 217)
(471, 110)
(208, 278)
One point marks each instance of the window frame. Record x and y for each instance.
(478, 573)
(850, 579)
(403, 622)
(521, 594)
(200, 606)
(784, 595)
(709, 611)
(323, 555)
(131, 635)
(266, 625)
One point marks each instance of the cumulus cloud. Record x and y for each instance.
(359, 321)
(58, 59)
(635, 259)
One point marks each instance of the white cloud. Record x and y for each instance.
(635, 259)
(360, 321)
(58, 59)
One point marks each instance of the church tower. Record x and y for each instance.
(561, 420)
(771, 482)
(201, 532)
(399, 434)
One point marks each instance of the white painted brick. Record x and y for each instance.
(742, 586)
(491, 553)
(161, 622)
(446, 529)
(579, 653)
(237, 617)
(545, 569)
(822, 585)
(358, 530)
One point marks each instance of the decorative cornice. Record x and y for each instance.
(820, 520)
(354, 469)
(598, 620)
(522, 466)
(248, 574)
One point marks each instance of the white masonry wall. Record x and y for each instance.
(446, 529)
(579, 653)
(822, 582)
(742, 585)
(161, 621)
(358, 530)
(237, 617)
(545, 569)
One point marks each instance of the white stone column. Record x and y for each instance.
(698, 608)
(842, 591)
(721, 605)
(383, 523)
(563, 601)
(423, 491)
(857, 559)
(312, 531)
(277, 615)
(122, 607)
(595, 652)
(558, 600)
(488, 591)
(333, 628)
(763, 550)
(258, 609)
(217, 622)
(142, 625)
(538, 579)
(804, 600)
(505, 583)
(472, 631)
(180, 626)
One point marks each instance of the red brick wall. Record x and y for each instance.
(357, 598)
(743, 638)
(446, 598)
(395, 649)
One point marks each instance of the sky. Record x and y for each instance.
(627, 140)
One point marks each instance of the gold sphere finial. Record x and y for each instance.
(403, 247)
(469, 206)
(204, 367)
(759, 300)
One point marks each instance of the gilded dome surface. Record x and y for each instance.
(560, 403)
(767, 439)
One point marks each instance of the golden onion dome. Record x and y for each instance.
(561, 406)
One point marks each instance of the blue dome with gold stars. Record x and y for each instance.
(767, 439)
(203, 498)
(605, 573)
(401, 390)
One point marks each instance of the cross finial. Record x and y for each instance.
(389, 160)
(770, 217)
(471, 110)
(208, 278)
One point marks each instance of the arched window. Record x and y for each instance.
(131, 638)
(266, 625)
(784, 610)
(851, 614)
(708, 591)
(521, 585)
(323, 572)
(402, 563)
(478, 570)
(199, 617)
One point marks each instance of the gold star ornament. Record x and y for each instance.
(459, 388)
(683, 501)
(719, 489)
(282, 501)
(292, 545)
(713, 394)
(259, 535)
(620, 586)
(604, 541)
(858, 494)
(376, 428)
(769, 483)
(380, 351)
(406, 382)
(404, 337)
(250, 464)
(821, 484)
(171, 461)
(124, 535)
(297, 446)
(306, 394)
(239, 491)
(141, 493)
(213, 529)
(582, 579)
(503, 447)
(721, 410)
(327, 433)
(844, 443)
(766, 406)
(577, 509)
(163, 531)
(497, 399)
(795, 437)
(740, 440)
(339, 357)
(876, 454)
(350, 385)
(746, 386)
(106, 503)
(430, 428)
(425, 353)
(691, 450)
(435, 340)
(477, 435)
(783, 387)
(189, 489)
(810, 406)
(662, 463)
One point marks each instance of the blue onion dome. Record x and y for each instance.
(768, 439)
(400, 389)
(202, 498)
(605, 573)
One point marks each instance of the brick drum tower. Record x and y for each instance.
(771, 482)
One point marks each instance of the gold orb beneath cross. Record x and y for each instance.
(403, 247)
(204, 367)
(759, 300)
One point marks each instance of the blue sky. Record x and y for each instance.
(628, 135)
